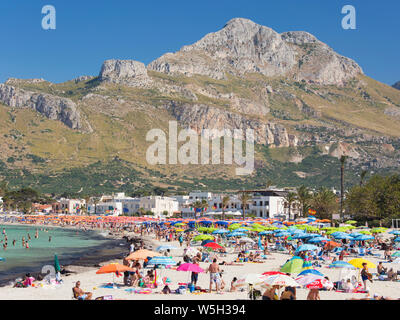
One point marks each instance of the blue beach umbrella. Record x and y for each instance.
(317, 239)
(165, 261)
(166, 247)
(363, 237)
(310, 271)
(397, 239)
(341, 264)
(264, 233)
(220, 231)
(306, 247)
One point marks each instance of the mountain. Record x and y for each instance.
(307, 105)
(397, 85)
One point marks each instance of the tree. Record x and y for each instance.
(324, 202)
(225, 203)
(268, 184)
(290, 199)
(196, 205)
(342, 163)
(244, 199)
(376, 201)
(204, 206)
(304, 198)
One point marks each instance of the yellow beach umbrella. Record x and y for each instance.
(359, 261)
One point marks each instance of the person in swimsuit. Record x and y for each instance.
(80, 294)
(214, 275)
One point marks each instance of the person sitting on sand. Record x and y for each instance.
(271, 293)
(348, 286)
(233, 285)
(313, 295)
(289, 294)
(381, 269)
(166, 289)
(79, 293)
(391, 275)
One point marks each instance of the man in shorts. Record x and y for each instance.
(80, 294)
(214, 275)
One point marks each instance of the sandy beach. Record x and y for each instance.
(90, 281)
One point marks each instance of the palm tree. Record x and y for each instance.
(290, 198)
(196, 205)
(362, 177)
(304, 197)
(324, 201)
(204, 206)
(225, 203)
(244, 199)
(342, 162)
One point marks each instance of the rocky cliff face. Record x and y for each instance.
(243, 46)
(53, 107)
(126, 72)
(199, 117)
(397, 85)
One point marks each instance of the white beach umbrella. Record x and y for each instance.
(251, 278)
(280, 280)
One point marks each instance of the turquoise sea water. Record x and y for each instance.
(68, 244)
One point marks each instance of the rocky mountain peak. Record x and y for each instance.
(243, 46)
(397, 85)
(126, 72)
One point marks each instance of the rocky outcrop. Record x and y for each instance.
(343, 149)
(318, 63)
(397, 85)
(200, 117)
(53, 107)
(243, 46)
(125, 72)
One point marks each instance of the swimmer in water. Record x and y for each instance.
(37, 234)
(49, 238)
(14, 242)
(27, 245)
(29, 236)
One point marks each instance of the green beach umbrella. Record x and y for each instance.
(293, 266)
(351, 222)
(56, 264)
(203, 237)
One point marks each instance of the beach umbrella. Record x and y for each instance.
(363, 237)
(214, 246)
(351, 222)
(264, 233)
(165, 261)
(307, 279)
(166, 247)
(280, 280)
(293, 266)
(311, 271)
(396, 232)
(332, 244)
(246, 240)
(142, 254)
(271, 273)
(317, 239)
(190, 267)
(320, 284)
(2, 259)
(341, 264)
(56, 264)
(113, 268)
(397, 239)
(236, 234)
(202, 237)
(205, 242)
(359, 261)
(342, 236)
(396, 254)
(306, 247)
(220, 231)
(251, 279)
(282, 234)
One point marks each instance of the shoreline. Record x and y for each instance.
(115, 248)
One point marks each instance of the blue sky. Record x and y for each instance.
(89, 32)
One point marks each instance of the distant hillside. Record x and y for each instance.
(307, 104)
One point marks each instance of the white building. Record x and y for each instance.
(110, 208)
(158, 205)
(69, 206)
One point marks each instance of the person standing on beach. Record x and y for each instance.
(214, 275)
(365, 275)
(313, 295)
